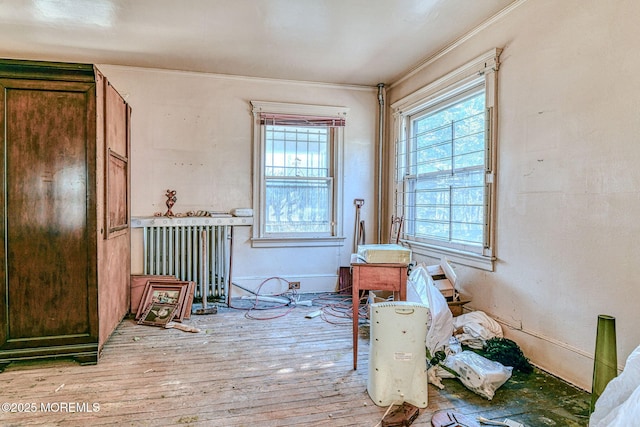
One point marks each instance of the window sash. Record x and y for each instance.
(446, 162)
(297, 179)
(298, 206)
(410, 184)
(297, 151)
(298, 193)
(440, 213)
(328, 176)
(444, 198)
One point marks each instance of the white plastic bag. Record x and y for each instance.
(619, 403)
(417, 287)
(477, 373)
(477, 328)
(420, 288)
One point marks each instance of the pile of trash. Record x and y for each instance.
(490, 358)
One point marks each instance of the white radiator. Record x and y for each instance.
(197, 249)
(193, 249)
(194, 253)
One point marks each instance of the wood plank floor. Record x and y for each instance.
(288, 371)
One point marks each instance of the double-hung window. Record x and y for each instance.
(445, 165)
(297, 153)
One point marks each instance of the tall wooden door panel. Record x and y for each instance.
(117, 114)
(115, 269)
(49, 232)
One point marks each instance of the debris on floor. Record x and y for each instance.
(455, 419)
(508, 353)
(482, 370)
(206, 310)
(475, 328)
(477, 373)
(452, 419)
(507, 422)
(182, 327)
(401, 416)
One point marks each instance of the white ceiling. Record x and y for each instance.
(362, 42)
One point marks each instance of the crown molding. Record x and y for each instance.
(456, 43)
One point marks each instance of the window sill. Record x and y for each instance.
(298, 242)
(469, 259)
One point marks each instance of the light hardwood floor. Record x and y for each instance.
(288, 371)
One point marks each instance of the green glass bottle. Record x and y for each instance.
(605, 367)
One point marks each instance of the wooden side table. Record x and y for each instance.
(374, 277)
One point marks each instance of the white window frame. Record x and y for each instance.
(481, 70)
(259, 237)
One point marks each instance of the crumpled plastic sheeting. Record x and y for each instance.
(619, 403)
(477, 373)
(420, 288)
(477, 327)
(436, 373)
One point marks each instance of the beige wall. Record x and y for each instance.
(568, 181)
(193, 133)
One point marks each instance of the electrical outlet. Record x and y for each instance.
(294, 285)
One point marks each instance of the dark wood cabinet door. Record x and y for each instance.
(49, 233)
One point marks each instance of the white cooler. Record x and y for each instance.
(397, 353)
(384, 254)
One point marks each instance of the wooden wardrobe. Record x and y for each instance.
(64, 210)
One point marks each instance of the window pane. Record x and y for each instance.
(434, 150)
(296, 151)
(445, 197)
(298, 206)
(298, 183)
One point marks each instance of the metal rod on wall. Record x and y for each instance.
(380, 161)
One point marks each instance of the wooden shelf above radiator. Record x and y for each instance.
(164, 221)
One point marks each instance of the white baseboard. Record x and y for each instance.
(560, 359)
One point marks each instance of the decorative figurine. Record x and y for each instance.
(171, 200)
